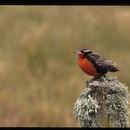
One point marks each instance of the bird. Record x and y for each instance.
(94, 64)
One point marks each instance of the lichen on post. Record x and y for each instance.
(103, 103)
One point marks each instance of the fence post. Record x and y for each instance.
(103, 103)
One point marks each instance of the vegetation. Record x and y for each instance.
(40, 78)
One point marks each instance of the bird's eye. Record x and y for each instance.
(82, 51)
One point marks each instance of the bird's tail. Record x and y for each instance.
(113, 69)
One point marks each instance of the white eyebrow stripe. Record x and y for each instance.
(86, 50)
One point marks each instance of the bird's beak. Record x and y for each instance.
(77, 52)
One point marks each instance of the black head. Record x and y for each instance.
(84, 52)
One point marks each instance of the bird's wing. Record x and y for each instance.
(110, 62)
(102, 65)
(98, 59)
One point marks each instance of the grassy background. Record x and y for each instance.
(39, 76)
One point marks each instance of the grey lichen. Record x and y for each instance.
(86, 108)
(104, 103)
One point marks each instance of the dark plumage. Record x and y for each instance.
(101, 64)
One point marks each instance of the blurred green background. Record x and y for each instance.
(39, 76)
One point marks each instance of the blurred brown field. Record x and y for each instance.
(39, 76)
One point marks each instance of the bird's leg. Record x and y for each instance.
(99, 77)
(95, 78)
(104, 76)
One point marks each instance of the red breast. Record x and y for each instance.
(87, 66)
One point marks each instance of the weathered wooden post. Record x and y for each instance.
(104, 103)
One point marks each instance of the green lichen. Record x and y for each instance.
(104, 103)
